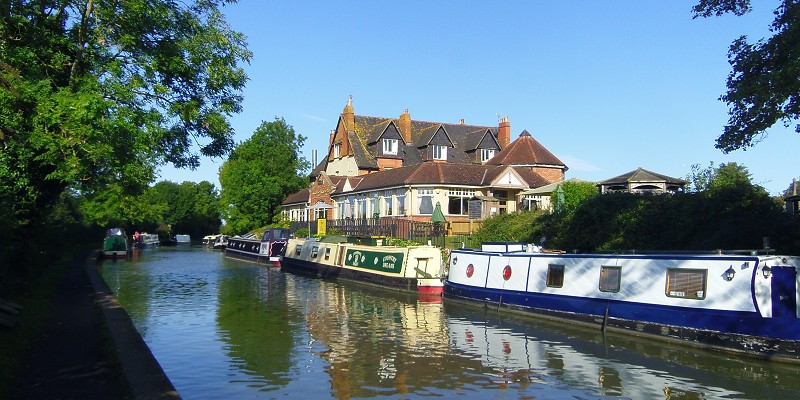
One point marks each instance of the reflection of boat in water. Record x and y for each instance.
(115, 244)
(411, 268)
(525, 350)
(745, 303)
(376, 342)
(269, 248)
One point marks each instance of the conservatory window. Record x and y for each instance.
(425, 201)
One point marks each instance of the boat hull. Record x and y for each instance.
(739, 314)
(115, 245)
(268, 250)
(414, 269)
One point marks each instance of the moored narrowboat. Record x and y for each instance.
(737, 301)
(417, 269)
(115, 244)
(268, 249)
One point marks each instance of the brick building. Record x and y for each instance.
(390, 167)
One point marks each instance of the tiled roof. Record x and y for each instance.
(297, 197)
(437, 173)
(525, 151)
(369, 130)
(642, 175)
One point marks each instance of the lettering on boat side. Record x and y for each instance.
(378, 261)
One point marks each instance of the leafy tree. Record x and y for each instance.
(763, 85)
(95, 94)
(259, 174)
(699, 178)
(187, 208)
(575, 193)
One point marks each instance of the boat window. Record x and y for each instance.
(686, 283)
(555, 275)
(314, 251)
(298, 249)
(610, 278)
(327, 253)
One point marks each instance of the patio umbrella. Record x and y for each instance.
(437, 215)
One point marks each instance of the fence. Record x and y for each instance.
(448, 234)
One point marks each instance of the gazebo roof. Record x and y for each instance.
(641, 175)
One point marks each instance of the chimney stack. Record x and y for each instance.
(504, 133)
(405, 126)
(349, 116)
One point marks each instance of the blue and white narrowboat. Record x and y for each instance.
(269, 248)
(416, 269)
(145, 239)
(737, 301)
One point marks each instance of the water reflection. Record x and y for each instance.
(227, 328)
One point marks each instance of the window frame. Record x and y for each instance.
(337, 150)
(487, 154)
(669, 279)
(391, 144)
(553, 280)
(605, 280)
(441, 150)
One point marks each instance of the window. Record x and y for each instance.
(401, 202)
(686, 283)
(314, 251)
(458, 202)
(298, 249)
(389, 146)
(388, 202)
(327, 253)
(336, 149)
(439, 152)
(530, 202)
(555, 276)
(486, 154)
(610, 278)
(425, 201)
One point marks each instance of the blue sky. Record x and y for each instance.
(606, 86)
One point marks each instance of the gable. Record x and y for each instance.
(509, 178)
(441, 138)
(488, 142)
(391, 132)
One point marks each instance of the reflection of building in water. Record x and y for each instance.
(377, 342)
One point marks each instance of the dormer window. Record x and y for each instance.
(389, 146)
(439, 152)
(486, 155)
(336, 149)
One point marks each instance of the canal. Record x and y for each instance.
(223, 328)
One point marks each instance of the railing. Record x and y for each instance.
(448, 234)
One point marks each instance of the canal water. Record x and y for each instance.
(223, 328)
